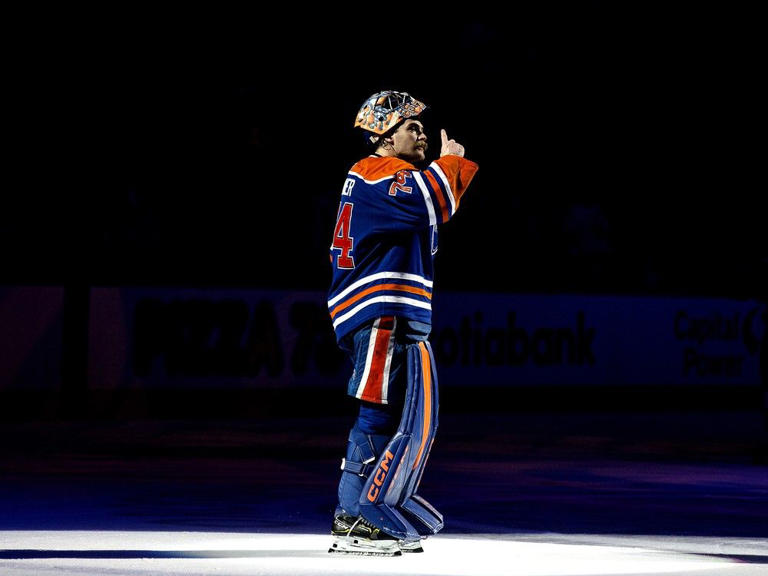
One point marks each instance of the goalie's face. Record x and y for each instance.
(409, 141)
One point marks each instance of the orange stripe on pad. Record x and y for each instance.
(380, 287)
(426, 377)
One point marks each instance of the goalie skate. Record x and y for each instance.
(411, 546)
(354, 535)
(364, 547)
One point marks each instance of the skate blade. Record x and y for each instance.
(411, 547)
(359, 547)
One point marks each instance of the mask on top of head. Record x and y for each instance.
(384, 110)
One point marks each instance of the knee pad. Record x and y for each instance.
(389, 498)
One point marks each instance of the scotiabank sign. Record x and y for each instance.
(164, 337)
(592, 340)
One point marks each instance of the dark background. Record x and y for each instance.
(617, 144)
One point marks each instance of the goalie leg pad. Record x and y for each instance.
(425, 518)
(389, 496)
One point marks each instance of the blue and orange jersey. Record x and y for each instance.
(385, 237)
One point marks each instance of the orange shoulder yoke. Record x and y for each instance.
(376, 168)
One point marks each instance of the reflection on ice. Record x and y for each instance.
(203, 553)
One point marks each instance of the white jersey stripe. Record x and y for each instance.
(451, 197)
(390, 177)
(389, 299)
(427, 198)
(373, 278)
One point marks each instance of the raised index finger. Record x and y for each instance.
(444, 136)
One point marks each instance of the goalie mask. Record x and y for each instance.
(385, 110)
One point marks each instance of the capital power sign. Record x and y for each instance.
(166, 337)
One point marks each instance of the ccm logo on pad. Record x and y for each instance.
(380, 476)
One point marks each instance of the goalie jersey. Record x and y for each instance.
(386, 237)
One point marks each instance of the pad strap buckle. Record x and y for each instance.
(359, 468)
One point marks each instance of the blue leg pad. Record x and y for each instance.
(425, 518)
(389, 497)
(362, 452)
(378, 503)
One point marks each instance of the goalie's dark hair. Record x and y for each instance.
(373, 141)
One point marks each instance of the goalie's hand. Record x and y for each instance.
(450, 146)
